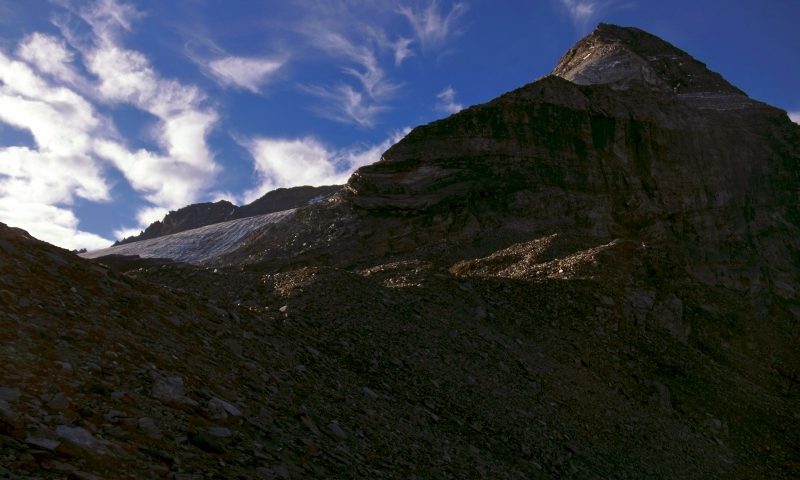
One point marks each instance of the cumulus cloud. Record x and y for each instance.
(73, 144)
(49, 223)
(447, 101)
(432, 26)
(37, 182)
(244, 72)
(282, 162)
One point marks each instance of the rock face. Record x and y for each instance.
(203, 214)
(654, 147)
(593, 276)
(627, 57)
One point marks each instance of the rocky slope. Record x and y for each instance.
(202, 214)
(593, 276)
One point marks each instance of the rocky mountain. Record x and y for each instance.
(202, 214)
(593, 276)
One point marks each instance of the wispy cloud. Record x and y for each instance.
(109, 19)
(432, 26)
(357, 35)
(584, 12)
(185, 167)
(358, 105)
(367, 70)
(400, 47)
(248, 73)
(581, 11)
(50, 56)
(402, 50)
(345, 104)
(282, 162)
(447, 101)
(361, 35)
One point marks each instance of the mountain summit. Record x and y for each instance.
(624, 56)
(592, 276)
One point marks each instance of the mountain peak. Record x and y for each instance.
(624, 56)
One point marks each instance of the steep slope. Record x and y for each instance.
(202, 214)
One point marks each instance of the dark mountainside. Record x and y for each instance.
(593, 276)
(202, 214)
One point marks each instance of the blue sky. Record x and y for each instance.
(113, 112)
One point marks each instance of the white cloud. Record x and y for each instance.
(73, 143)
(37, 182)
(581, 11)
(110, 18)
(795, 117)
(346, 105)
(584, 12)
(49, 223)
(144, 217)
(431, 26)
(339, 32)
(306, 161)
(447, 101)
(185, 168)
(402, 50)
(164, 181)
(49, 55)
(243, 72)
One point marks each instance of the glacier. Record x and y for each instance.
(198, 245)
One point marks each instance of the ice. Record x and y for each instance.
(198, 245)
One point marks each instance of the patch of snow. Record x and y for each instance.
(317, 199)
(197, 245)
